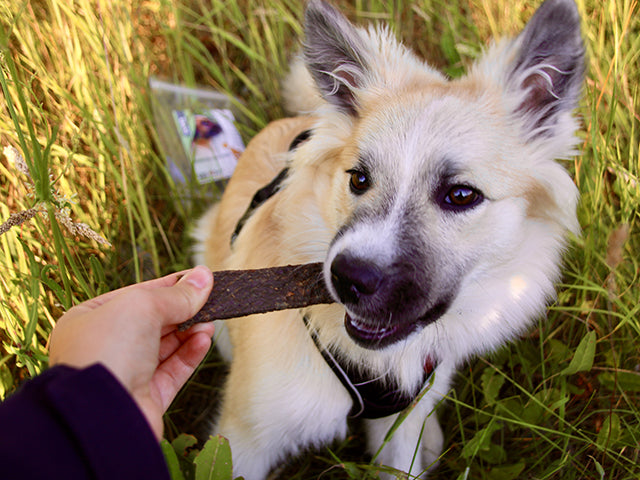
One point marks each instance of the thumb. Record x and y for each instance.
(188, 295)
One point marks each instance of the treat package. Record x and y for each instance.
(197, 134)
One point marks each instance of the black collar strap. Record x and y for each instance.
(372, 398)
(261, 196)
(268, 191)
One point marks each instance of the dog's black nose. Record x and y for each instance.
(354, 277)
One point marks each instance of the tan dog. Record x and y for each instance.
(440, 215)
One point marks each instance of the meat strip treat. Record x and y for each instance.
(237, 293)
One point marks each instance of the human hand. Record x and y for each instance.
(133, 333)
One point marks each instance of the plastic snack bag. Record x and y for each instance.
(197, 134)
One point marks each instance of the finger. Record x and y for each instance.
(174, 372)
(183, 300)
(171, 341)
(207, 327)
(169, 344)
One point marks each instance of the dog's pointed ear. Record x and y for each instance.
(334, 53)
(549, 66)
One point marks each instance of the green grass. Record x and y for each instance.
(564, 402)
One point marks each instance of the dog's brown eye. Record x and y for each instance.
(359, 182)
(462, 197)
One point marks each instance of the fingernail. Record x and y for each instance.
(199, 277)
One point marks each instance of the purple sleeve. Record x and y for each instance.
(77, 424)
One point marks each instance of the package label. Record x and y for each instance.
(211, 141)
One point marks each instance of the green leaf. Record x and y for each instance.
(352, 470)
(599, 468)
(625, 381)
(507, 472)
(491, 385)
(214, 460)
(450, 51)
(55, 288)
(464, 475)
(511, 408)
(481, 442)
(183, 442)
(557, 350)
(494, 454)
(582, 360)
(34, 291)
(6, 380)
(610, 432)
(171, 458)
(532, 413)
(97, 272)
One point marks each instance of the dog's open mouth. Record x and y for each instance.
(374, 336)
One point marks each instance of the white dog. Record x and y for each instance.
(439, 212)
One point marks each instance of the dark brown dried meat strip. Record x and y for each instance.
(237, 293)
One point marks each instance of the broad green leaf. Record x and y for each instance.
(507, 472)
(582, 360)
(625, 381)
(533, 412)
(610, 432)
(214, 460)
(171, 458)
(491, 384)
(557, 350)
(183, 442)
(495, 454)
(511, 407)
(481, 441)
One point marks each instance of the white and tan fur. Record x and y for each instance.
(463, 280)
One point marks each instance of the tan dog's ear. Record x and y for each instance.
(335, 55)
(549, 67)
